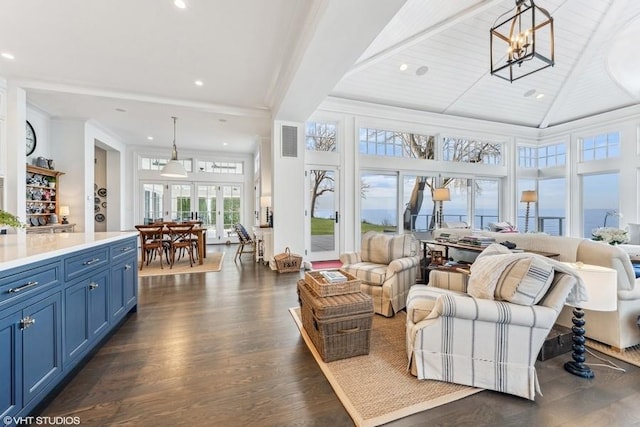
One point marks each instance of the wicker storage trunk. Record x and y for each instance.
(339, 326)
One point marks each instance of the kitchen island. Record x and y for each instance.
(61, 295)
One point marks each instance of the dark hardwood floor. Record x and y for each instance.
(222, 349)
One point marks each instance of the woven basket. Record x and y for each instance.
(322, 288)
(287, 262)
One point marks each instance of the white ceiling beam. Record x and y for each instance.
(342, 31)
(587, 55)
(39, 85)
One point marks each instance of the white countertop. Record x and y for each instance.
(21, 249)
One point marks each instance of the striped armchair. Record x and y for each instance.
(387, 265)
(454, 337)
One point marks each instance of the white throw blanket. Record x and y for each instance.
(486, 271)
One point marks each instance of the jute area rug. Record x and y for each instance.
(630, 355)
(213, 262)
(377, 388)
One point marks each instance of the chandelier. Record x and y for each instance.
(522, 43)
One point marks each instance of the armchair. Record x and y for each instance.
(387, 265)
(482, 342)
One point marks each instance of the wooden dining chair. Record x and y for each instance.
(151, 243)
(181, 240)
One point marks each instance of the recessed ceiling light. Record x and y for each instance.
(421, 71)
(150, 138)
(180, 4)
(7, 55)
(121, 110)
(199, 83)
(540, 96)
(404, 67)
(529, 92)
(225, 143)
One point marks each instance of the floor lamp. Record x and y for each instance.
(528, 197)
(440, 195)
(601, 284)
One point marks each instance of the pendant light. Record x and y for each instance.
(174, 169)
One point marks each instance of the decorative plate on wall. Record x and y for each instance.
(104, 205)
(96, 208)
(99, 217)
(96, 200)
(102, 192)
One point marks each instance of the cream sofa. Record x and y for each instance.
(618, 329)
(387, 265)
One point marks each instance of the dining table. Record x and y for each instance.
(201, 234)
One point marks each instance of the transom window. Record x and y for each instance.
(378, 142)
(156, 164)
(220, 167)
(602, 146)
(471, 151)
(320, 136)
(527, 157)
(552, 155)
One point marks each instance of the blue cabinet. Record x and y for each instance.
(54, 312)
(41, 346)
(10, 365)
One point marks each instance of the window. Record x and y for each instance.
(552, 194)
(486, 194)
(419, 209)
(457, 208)
(152, 205)
(379, 201)
(377, 142)
(221, 167)
(156, 164)
(552, 155)
(602, 146)
(600, 201)
(320, 136)
(527, 157)
(468, 151)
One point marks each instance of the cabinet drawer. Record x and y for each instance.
(124, 248)
(85, 261)
(22, 283)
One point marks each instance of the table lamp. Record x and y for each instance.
(64, 213)
(601, 284)
(440, 195)
(528, 197)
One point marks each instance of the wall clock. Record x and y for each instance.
(31, 139)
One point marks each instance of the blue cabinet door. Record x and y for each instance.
(41, 345)
(76, 322)
(98, 304)
(10, 364)
(123, 288)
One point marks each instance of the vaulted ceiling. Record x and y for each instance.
(131, 65)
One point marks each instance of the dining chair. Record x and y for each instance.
(244, 240)
(194, 238)
(151, 243)
(181, 240)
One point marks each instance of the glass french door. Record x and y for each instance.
(218, 206)
(323, 215)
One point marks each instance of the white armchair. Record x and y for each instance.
(387, 265)
(492, 344)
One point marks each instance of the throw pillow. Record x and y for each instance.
(524, 281)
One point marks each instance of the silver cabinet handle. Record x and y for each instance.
(127, 266)
(126, 249)
(27, 322)
(93, 261)
(93, 285)
(23, 287)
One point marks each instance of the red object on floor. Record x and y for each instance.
(319, 265)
